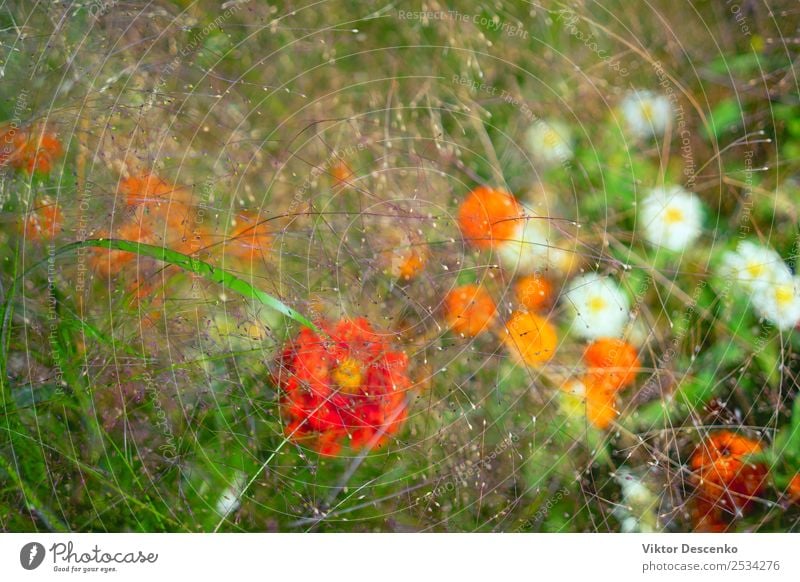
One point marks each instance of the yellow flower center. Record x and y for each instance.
(647, 111)
(597, 304)
(348, 376)
(673, 215)
(784, 295)
(551, 138)
(755, 269)
(254, 332)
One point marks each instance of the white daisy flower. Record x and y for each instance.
(646, 113)
(637, 510)
(600, 307)
(779, 300)
(754, 266)
(531, 248)
(549, 142)
(634, 490)
(761, 271)
(671, 217)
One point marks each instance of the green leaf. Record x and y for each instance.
(726, 116)
(794, 435)
(691, 395)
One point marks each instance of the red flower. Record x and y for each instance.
(724, 478)
(344, 386)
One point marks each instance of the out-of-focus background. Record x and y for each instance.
(322, 152)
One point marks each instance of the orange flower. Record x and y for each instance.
(722, 474)
(602, 387)
(601, 409)
(469, 310)
(43, 222)
(344, 387)
(342, 174)
(27, 151)
(535, 292)
(250, 239)
(593, 400)
(406, 264)
(149, 189)
(404, 253)
(794, 489)
(615, 358)
(42, 153)
(198, 243)
(107, 262)
(167, 210)
(413, 264)
(531, 338)
(488, 216)
(147, 295)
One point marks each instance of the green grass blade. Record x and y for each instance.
(196, 266)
